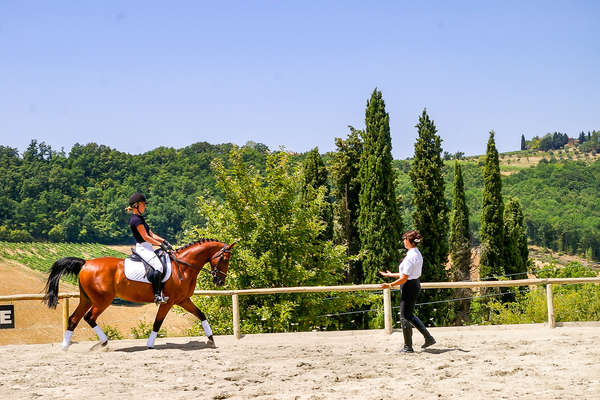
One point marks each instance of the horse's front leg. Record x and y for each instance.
(163, 310)
(191, 307)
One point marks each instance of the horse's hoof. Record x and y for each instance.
(100, 346)
(211, 344)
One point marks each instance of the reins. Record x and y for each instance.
(213, 272)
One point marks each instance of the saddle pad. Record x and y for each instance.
(136, 271)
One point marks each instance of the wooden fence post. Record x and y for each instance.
(65, 314)
(236, 316)
(387, 310)
(550, 304)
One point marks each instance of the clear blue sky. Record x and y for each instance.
(136, 75)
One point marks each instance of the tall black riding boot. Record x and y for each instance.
(154, 277)
(407, 332)
(429, 340)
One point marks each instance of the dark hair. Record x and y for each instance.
(414, 237)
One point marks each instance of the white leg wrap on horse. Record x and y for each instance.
(207, 331)
(151, 339)
(101, 335)
(67, 339)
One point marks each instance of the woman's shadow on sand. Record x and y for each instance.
(189, 346)
(442, 351)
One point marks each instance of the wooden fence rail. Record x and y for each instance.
(387, 303)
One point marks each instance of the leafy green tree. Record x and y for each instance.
(516, 251)
(278, 245)
(345, 174)
(379, 221)
(314, 176)
(460, 241)
(492, 214)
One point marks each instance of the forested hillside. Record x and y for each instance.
(81, 196)
(560, 200)
(47, 194)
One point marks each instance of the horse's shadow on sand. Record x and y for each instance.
(442, 351)
(189, 346)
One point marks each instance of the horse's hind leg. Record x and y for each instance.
(84, 305)
(191, 307)
(91, 318)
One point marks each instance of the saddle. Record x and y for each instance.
(138, 269)
(160, 253)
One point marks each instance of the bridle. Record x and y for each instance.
(214, 272)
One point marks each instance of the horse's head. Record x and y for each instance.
(197, 254)
(219, 263)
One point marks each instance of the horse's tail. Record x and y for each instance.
(67, 265)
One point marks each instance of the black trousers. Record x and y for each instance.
(410, 291)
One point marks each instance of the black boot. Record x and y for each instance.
(429, 340)
(154, 277)
(407, 332)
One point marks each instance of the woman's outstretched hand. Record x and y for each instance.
(387, 273)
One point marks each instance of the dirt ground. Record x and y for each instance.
(542, 257)
(507, 362)
(36, 323)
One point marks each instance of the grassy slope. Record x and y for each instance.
(40, 256)
(514, 161)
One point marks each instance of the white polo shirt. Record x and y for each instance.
(412, 264)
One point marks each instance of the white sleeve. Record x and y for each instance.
(406, 266)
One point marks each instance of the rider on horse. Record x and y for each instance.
(144, 239)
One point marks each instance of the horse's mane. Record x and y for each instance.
(202, 240)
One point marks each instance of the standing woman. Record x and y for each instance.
(144, 239)
(408, 277)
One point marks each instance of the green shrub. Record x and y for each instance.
(572, 302)
(111, 332)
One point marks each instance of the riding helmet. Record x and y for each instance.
(137, 196)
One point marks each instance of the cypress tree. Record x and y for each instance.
(523, 143)
(460, 235)
(379, 220)
(315, 176)
(345, 174)
(431, 215)
(516, 253)
(431, 211)
(460, 243)
(492, 214)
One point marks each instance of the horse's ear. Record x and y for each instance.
(232, 244)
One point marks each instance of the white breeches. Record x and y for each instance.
(146, 251)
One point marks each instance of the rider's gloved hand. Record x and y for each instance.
(166, 246)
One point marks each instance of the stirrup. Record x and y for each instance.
(160, 299)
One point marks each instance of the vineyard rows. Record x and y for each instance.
(40, 256)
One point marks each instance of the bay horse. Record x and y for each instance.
(103, 279)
